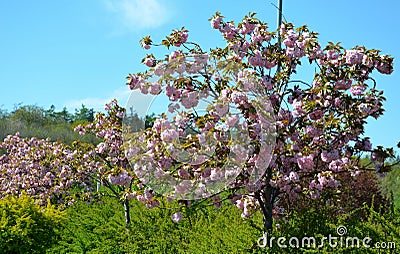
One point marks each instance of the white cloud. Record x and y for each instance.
(138, 102)
(121, 94)
(137, 14)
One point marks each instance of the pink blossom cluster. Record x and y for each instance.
(246, 204)
(41, 168)
(354, 57)
(324, 180)
(306, 162)
(123, 178)
(179, 37)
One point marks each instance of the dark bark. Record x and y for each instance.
(269, 195)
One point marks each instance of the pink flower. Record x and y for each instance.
(189, 99)
(122, 179)
(298, 107)
(332, 55)
(238, 97)
(245, 214)
(367, 146)
(172, 93)
(247, 27)
(343, 84)
(293, 176)
(216, 22)
(337, 102)
(288, 43)
(145, 46)
(229, 31)
(174, 55)
(328, 156)
(267, 82)
(305, 162)
(384, 68)
(159, 69)
(216, 175)
(245, 46)
(177, 217)
(232, 120)
(354, 56)
(357, 90)
(183, 173)
(269, 64)
(222, 109)
(290, 38)
(143, 88)
(169, 135)
(316, 115)
(148, 193)
(172, 107)
(336, 165)
(240, 204)
(133, 81)
(312, 131)
(314, 194)
(148, 62)
(155, 88)
(256, 59)
(364, 108)
(165, 162)
(201, 59)
(120, 114)
(181, 37)
(256, 37)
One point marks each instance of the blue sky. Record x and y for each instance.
(71, 52)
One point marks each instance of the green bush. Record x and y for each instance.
(391, 185)
(26, 227)
(100, 228)
(318, 223)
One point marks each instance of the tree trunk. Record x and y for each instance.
(267, 204)
(127, 213)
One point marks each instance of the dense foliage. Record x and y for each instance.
(391, 185)
(34, 121)
(97, 228)
(26, 227)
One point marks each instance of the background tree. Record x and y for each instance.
(84, 114)
(108, 158)
(34, 121)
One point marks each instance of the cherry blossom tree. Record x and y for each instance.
(63, 174)
(44, 169)
(109, 161)
(239, 126)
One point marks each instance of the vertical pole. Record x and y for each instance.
(268, 193)
(98, 184)
(279, 22)
(127, 213)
